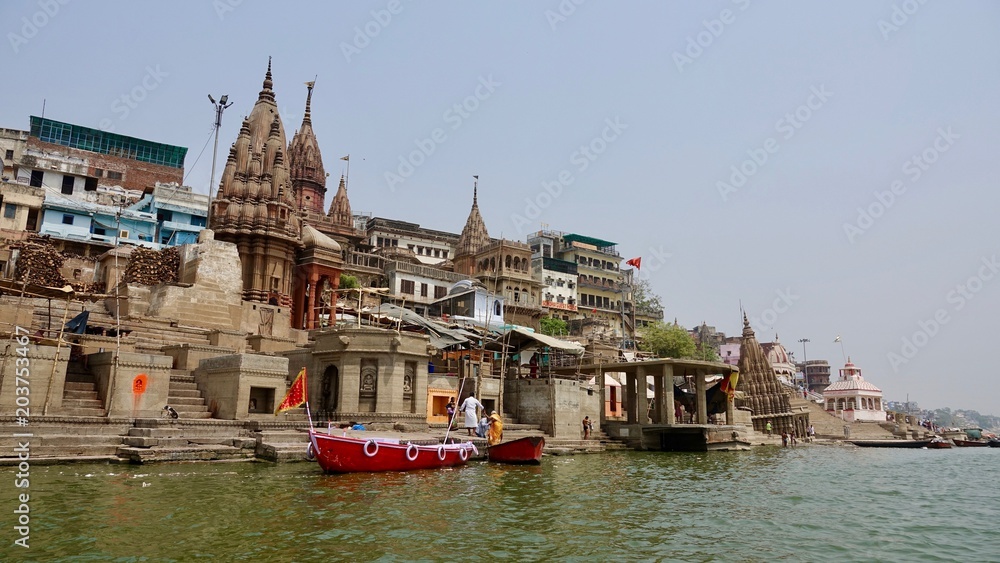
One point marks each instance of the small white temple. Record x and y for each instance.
(852, 398)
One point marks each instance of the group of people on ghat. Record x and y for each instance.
(487, 426)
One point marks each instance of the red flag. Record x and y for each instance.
(635, 262)
(296, 394)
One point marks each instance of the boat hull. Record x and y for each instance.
(939, 445)
(995, 443)
(526, 451)
(970, 443)
(891, 443)
(344, 454)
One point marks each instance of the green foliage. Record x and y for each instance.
(348, 282)
(644, 298)
(706, 353)
(668, 341)
(553, 326)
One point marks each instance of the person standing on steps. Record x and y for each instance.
(768, 428)
(588, 427)
(469, 406)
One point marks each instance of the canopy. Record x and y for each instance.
(608, 381)
(440, 335)
(519, 338)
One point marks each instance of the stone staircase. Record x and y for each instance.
(599, 442)
(80, 393)
(187, 440)
(57, 439)
(831, 427)
(183, 395)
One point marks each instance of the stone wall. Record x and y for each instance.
(35, 369)
(557, 405)
(138, 388)
(228, 383)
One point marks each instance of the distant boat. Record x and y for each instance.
(525, 451)
(938, 444)
(345, 454)
(892, 443)
(970, 443)
(994, 443)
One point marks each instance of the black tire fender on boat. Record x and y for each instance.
(310, 452)
(441, 452)
(463, 454)
(412, 448)
(372, 453)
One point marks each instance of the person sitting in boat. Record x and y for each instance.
(495, 432)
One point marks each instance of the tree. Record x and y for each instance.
(668, 341)
(348, 282)
(644, 298)
(553, 326)
(706, 353)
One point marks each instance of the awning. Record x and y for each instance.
(518, 338)
(441, 336)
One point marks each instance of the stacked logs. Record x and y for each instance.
(152, 267)
(38, 263)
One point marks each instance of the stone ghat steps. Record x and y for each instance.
(186, 440)
(832, 427)
(80, 398)
(190, 453)
(185, 397)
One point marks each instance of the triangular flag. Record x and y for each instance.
(837, 339)
(635, 262)
(296, 395)
(347, 158)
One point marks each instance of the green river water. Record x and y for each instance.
(819, 503)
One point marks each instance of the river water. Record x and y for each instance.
(819, 503)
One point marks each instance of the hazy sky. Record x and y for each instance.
(830, 164)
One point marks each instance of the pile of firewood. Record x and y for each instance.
(152, 267)
(38, 263)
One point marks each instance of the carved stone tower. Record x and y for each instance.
(305, 164)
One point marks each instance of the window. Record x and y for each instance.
(9, 211)
(164, 215)
(444, 254)
(440, 292)
(90, 184)
(67, 185)
(100, 231)
(98, 172)
(406, 286)
(114, 175)
(36, 178)
(423, 290)
(67, 219)
(9, 155)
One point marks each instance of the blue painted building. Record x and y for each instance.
(180, 213)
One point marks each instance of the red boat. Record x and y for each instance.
(344, 454)
(521, 451)
(970, 443)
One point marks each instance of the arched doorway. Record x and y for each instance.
(329, 391)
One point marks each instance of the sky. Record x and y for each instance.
(829, 166)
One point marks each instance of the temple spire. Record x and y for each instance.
(307, 118)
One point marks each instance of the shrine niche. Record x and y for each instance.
(329, 391)
(368, 391)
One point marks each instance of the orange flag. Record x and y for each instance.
(296, 394)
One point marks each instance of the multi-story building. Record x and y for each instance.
(180, 213)
(602, 293)
(90, 229)
(70, 160)
(816, 373)
(427, 246)
(416, 286)
(12, 145)
(559, 277)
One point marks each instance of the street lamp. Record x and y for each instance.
(805, 377)
(220, 107)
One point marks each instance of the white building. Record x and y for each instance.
(854, 399)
